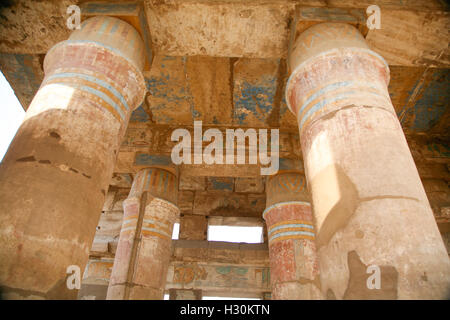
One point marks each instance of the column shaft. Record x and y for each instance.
(54, 177)
(144, 249)
(293, 262)
(369, 203)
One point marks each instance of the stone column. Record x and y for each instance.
(372, 215)
(144, 249)
(294, 271)
(54, 177)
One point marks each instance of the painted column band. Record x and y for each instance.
(111, 98)
(330, 63)
(291, 229)
(286, 186)
(162, 184)
(93, 79)
(334, 84)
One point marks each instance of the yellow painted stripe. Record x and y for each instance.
(99, 101)
(135, 216)
(154, 226)
(335, 92)
(290, 222)
(322, 110)
(291, 229)
(151, 233)
(293, 237)
(93, 85)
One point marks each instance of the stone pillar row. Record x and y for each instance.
(144, 249)
(370, 208)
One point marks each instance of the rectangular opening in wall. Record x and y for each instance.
(246, 234)
(176, 231)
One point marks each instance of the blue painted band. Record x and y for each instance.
(97, 81)
(157, 231)
(128, 228)
(319, 105)
(292, 233)
(291, 225)
(328, 88)
(298, 68)
(97, 93)
(159, 223)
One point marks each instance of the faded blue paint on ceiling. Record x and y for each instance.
(161, 87)
(433, 101)
(255, 100)
(139, 115)
(22, 70)
(221, 184)
(144, 159)
(18, 69)
(439, 149)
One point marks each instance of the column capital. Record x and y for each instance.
(286, 187)
(104, 59)
(160, 182)
(332, 67)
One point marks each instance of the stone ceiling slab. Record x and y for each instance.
(411, 38)
(24, 73)
(33, 26)
(421, 98)
(169, 100)
(254, 93)
(209, 84)
(220, 29)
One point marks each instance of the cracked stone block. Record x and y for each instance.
(249, 185)
(193, 227)
(185, 201)
(192, 183)
(219, 183)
